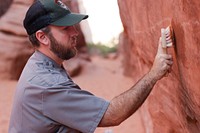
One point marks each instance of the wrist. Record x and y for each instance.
(153, 76)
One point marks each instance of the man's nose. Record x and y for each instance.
(75, 31)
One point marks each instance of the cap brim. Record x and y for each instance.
(70, 19)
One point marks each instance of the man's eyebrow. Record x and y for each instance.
(65, 27)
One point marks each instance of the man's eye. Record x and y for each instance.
(66, 28)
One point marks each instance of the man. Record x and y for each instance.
(47, 100)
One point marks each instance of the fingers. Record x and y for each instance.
(166, 59)
(165, 56)
(162, 65)
(169, 62)
(167, 65)
(163, 62)
(161, 50)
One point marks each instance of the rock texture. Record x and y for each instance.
(14, 43)
(14, 48)
(173, 105)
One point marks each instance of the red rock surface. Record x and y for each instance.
(14, 43)
(173, 105)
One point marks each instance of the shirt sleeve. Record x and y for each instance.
(73, 107)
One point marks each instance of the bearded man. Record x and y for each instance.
(47, 100)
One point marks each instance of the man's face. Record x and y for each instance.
(63, 42)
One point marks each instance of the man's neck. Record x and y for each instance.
(52, 56)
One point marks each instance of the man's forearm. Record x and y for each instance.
(124, 105)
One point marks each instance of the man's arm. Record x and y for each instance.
(124, 105)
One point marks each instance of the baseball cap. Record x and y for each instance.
(45, 12)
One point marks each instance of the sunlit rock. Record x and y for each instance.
(173, 105)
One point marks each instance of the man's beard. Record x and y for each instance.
(61, 50)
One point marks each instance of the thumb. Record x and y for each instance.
(161, 50)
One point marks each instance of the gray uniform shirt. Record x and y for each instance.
(48, 101)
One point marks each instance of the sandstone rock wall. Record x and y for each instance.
(15, 48)
(173, 105)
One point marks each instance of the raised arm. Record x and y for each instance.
(124, 105)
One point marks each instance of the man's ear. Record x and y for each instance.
(42, 37)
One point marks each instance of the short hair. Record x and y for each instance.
(33, 39)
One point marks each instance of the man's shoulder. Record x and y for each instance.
(43, 71)
(48, 78)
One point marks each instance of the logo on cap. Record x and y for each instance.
(61, 4)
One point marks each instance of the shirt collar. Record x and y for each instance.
(47, 61)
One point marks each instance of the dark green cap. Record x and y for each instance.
(45, 12)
